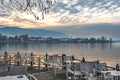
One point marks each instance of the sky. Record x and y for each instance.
(65, 12)
(70, 13)
(91, 30)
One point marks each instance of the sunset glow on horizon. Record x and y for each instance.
(67, 12)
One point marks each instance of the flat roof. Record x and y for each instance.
(15, 77)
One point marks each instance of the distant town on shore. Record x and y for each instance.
(26, 38)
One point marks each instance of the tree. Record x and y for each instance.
(103, 39)
(111, 40)
(24, 37)
(4, 38)
(92, 40)
(0, 37)
(29, 6)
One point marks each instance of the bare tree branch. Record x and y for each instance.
(28, 6)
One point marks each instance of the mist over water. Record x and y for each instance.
(91, 30)
(109, 52)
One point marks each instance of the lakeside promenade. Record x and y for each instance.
(54, 67)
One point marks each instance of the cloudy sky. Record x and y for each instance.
(66, 12)
(70, 16)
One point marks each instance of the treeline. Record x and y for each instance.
(26, 38)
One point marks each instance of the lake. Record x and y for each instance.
(109, 52)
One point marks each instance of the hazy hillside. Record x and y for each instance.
(91, 30)
(12, 31)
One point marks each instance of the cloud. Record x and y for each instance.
(67, 12)
(89, 11)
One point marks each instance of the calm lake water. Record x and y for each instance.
(109, 52)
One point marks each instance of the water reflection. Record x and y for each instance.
(104, 52)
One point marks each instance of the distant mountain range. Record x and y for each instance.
(13, 31)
